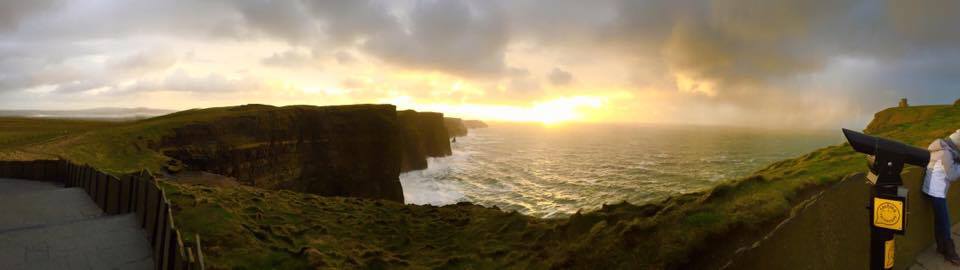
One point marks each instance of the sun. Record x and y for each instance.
(561, 110)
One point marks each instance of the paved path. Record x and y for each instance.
(44, 226)
(929, 259)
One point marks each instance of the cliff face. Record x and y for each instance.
(455, 127)
(414, 153)
(423, 135)
(332, 151)
(474, 124)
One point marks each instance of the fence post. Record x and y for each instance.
(112, 196)
(180, 262)
(102, 190)
(50, 171)
(161, 235)
(91, 182)
(15, 170)
(125, 194)
(39, 170)
(152, 207)
(199, 258)
(142, 200)
(68, 177)
(170, 247)
(62, 171)
(75, 174)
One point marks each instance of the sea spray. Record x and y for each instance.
(432, 186)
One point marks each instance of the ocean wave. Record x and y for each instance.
(432, 186)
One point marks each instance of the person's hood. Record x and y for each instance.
(941, 145)
(937, 146)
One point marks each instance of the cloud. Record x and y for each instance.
(144, 61)
(344, 57)
(183, 81)
(459, 37)
(558, 76)
(742, 57)
(12, 12)
(286, 20)
(292, 59)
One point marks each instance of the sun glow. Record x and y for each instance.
(551, 112)
(562, 109)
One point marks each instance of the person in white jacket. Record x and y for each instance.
(944, 168)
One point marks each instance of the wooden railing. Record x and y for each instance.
(137, 193)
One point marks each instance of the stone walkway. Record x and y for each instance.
(44, 226)
(929, 259)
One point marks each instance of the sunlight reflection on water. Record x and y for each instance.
(556, 171)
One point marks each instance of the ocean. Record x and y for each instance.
(554, 171)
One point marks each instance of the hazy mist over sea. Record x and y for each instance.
(554, 171)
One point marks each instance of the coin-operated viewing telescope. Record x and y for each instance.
(888, 196)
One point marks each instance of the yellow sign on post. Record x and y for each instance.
(888, 214)
(888, 255)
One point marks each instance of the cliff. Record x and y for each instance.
(424, 134)
(433, 134)
(455, 127)
(350, 150)
(474, 124)
(414, 152)
(354, 150)
(331, 151)
(894, 118)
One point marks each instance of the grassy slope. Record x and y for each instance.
(247, 227)
(114, 147)
(22, 138)
(117, 147)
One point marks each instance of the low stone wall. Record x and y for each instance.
(137, 193)
(831, 230)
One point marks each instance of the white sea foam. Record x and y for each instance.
(433, 185)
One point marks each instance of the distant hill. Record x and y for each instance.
(93, 113)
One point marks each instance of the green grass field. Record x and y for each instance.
(250, 228)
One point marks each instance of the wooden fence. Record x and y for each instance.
(137, 193)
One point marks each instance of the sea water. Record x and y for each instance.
(553, 171)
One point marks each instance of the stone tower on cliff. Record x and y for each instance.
(903, 103)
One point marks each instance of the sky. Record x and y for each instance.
(777, 64)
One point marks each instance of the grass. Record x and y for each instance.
(119, 147)
(250, 228)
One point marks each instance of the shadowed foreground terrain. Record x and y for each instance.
(250, 227)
